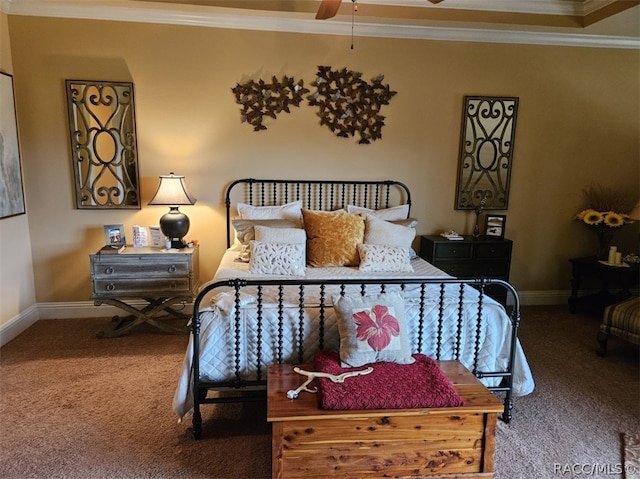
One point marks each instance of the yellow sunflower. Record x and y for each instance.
(613, 219)
(592, 217)
(580, 215)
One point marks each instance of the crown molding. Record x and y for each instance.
(541, 7)
(146, 12)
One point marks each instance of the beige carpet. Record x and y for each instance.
(73, 406)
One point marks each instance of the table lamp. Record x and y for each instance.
(172, 192)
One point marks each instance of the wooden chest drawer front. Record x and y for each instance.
(141, 287)
(453, 250)
(493, 251)
(475, 269)
(396, 446)
(140, 268)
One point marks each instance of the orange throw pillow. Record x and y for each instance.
(332, 238)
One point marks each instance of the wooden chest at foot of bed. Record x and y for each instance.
(309, 442)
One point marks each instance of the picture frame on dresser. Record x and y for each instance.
(114, 235)
(495, 226)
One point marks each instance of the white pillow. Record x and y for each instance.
(277, 258)
(384, 259)
(264, 234)
(290, 211)
(383, 232)
(390, 214)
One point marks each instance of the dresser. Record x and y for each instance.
(163, 279)
(483, 257)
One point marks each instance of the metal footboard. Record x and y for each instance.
(427, 290)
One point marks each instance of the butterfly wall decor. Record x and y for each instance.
(347, 104)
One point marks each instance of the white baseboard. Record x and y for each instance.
(78, 309)
(86, 309)
(18, 324)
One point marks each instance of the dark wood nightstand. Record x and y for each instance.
(615, 284)
(162, 278)
(471, 257)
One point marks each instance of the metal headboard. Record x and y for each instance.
(324, 195)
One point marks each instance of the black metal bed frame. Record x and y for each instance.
(344, 191)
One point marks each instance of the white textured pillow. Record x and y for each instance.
(290, 211)
(383, 232)
(277, 258)
(390, 214)
(384, 259)
(372, 329)
(265, 234)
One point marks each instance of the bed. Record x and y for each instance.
(299, 253)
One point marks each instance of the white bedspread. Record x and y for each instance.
(218, 349)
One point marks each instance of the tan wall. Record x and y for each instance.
(17, 289)
(578, 123)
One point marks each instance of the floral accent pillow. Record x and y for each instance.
(277, 258)
(384, 259)
(372, 329)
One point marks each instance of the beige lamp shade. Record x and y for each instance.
(635, 213)
(173, 192)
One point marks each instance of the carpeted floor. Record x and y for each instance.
(74, 406)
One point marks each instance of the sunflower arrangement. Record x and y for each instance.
(610, 219)
(605, 210)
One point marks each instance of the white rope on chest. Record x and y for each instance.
(311, 375)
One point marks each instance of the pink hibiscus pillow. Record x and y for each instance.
(372, 329)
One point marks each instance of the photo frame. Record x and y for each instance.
(114, 235)
(495, 226)
(11, 187)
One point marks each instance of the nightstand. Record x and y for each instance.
(471, 257)
(162, 278)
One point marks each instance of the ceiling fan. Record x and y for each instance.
(329, 8)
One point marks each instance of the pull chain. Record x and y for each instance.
(354, 9)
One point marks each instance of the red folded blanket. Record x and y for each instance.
(390, 385)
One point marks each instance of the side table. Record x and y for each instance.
(615, 284)
(162, 278)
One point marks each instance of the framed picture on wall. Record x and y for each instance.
(11, 189)
(114, 235)
(495, 226)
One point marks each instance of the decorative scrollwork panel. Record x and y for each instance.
(486, 152)
(103, 144)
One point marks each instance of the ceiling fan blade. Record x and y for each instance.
(435, 1)
(328, 9)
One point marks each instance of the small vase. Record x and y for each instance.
(476, 228)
